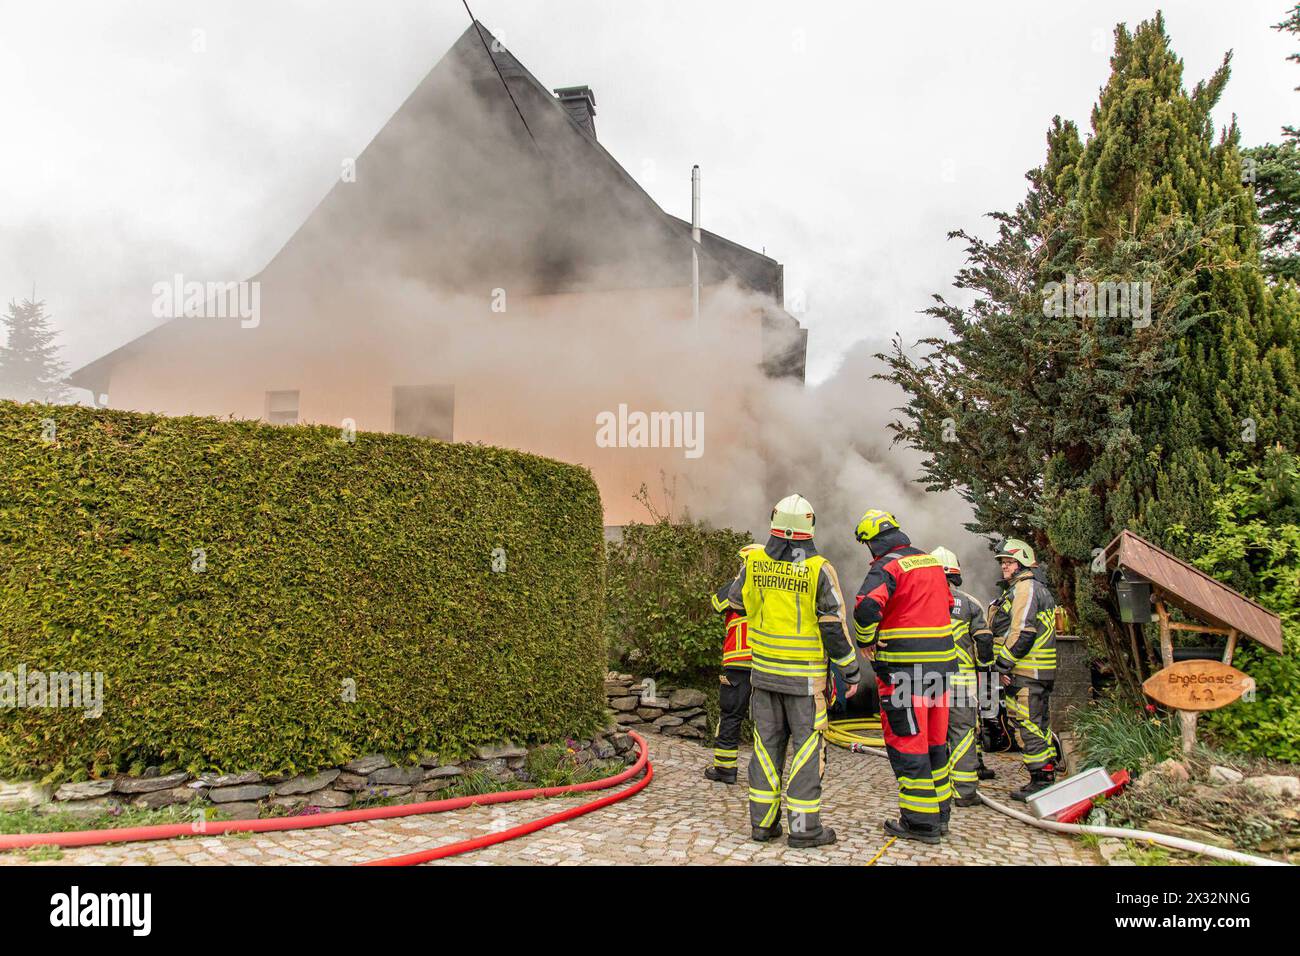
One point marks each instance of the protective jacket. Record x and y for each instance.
(1026, 642)
(735, 646)
(791, 598)
(972, 640)
(903, 609)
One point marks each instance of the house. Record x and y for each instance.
(484, 271)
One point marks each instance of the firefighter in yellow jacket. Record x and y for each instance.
(796, 620)
(1024, 632)
(733, 694)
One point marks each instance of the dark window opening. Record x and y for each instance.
(424, 410)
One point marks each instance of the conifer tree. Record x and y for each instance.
(1274, 171)
(30, 368)
(1065, 426)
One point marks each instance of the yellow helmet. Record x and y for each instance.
(874, 522)
(1017, 550)
(947, 559)
(793, 518)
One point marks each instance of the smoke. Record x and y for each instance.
(831, 443)
(515, 283)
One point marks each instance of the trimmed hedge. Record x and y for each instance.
(327, 562)
(659, 618)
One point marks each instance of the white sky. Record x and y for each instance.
(845, 138)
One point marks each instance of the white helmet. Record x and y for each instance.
(793, 518)
(947, 559)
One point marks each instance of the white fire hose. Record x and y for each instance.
(1121, 833)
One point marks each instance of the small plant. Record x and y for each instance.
(1114, 734)
(658, 619)
(1151, 855)
(475, 783)
(61, 821)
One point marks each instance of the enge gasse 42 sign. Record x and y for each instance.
(1198, 685)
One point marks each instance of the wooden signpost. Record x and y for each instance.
(1210, 607)
(1190, 686)
(1198, 685)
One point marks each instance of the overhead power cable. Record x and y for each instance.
(486, 49)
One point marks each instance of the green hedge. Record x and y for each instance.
(1254, 546)
(327, 561)
(659, 618)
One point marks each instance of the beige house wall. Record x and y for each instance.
(532, 378)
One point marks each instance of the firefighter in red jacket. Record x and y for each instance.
(902, 617)
(733, 695)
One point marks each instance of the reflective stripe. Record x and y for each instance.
(805, 752)
(765, 762)
(804, 806)
(793, 647)
(916, 657)
(959, 751)
(773, 796)
(846, 660)
(915, 632)
(916, 645)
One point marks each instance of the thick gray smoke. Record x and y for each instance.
(520, 277)
(831, 443)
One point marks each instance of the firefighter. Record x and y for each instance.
(973, 642)
(791, 597)
(999, 735)
(1025, 659)
(733, 694)
(902, 617)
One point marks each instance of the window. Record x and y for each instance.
(426, 410)
(282, 408)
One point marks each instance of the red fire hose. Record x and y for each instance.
(15, 841)
(464, 846)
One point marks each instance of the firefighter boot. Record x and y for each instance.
(720, 774)
(1038, 780)
(983, 772)
(825, 837)
(764, 834)
(899, 828)
(971, 801)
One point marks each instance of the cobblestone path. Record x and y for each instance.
(679, 819)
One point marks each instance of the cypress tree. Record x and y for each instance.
(1066, 425)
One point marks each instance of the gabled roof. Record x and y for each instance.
(1193, 591)
(455, 190)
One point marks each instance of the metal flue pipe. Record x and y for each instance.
(695, 238)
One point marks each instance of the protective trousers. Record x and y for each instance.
(963, 745)
(1029, 712)
(799, 721)
(733, 696)
(915, 725)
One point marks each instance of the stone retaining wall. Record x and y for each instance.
(641, 705)
(245, 796)
(1073, 688)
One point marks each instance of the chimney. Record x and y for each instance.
(580, 103)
